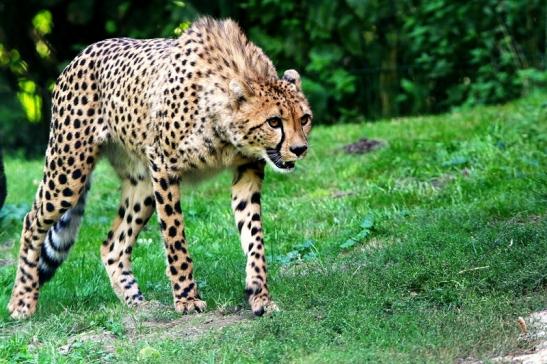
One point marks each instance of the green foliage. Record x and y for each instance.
(303, 252)
(390, 57)
(366, 227)
(357, 58)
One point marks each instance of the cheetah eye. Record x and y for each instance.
(305, 119)
(274, 122)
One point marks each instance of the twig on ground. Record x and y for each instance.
(473, 269)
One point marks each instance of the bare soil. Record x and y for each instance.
(363, 145)
(151, 321)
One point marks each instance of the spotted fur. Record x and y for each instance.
(163, 111)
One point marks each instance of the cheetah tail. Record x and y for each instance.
(60, 238)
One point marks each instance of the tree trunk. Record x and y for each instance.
(3, 187)
(388, 77)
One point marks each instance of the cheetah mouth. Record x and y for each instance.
(274, 159)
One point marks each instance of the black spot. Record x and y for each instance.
(172, 231)
(255, 198)
(163, 184)
(241, 205)
(158, 197)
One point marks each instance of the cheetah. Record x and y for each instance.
(162, 111)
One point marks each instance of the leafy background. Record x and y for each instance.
(360, 59)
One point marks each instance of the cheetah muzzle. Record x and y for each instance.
(274, 157)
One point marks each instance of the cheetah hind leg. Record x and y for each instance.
(136, 207)
(58, 192)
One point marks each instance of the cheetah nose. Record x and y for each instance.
(299, 149)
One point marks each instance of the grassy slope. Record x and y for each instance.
(450, 193)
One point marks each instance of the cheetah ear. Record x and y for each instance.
(240, 91)
(293, 77)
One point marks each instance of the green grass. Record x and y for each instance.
(455, 253)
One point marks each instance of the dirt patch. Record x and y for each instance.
(104, 339)
(363, 145)
(155, 321)
(533, 330)
(149, 323)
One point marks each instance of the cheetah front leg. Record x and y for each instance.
(246, 206)
(167, 195)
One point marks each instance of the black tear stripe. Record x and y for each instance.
(280, 144)
(277, 148)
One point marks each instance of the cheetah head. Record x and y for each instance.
(271, 120)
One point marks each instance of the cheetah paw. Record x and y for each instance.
(22, 307)
(135, 300)
(190, 306)
(262, 304)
